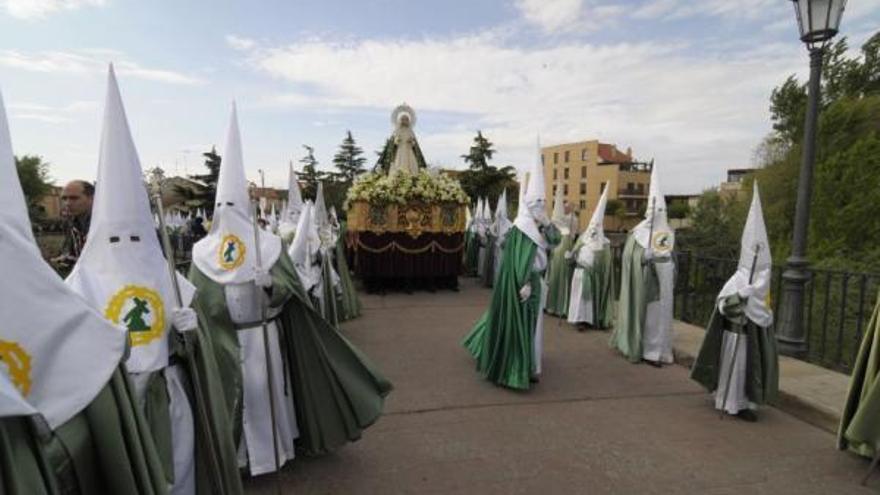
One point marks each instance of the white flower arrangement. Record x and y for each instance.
(402, 188)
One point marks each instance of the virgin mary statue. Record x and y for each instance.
(402, 153)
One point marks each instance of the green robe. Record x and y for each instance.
(639, 285)
(559, 279)
(762, 358)
(598, 286)
(107, 447)
(471, 253)
(502, 341)
(24, 468)
(351, 305)
(489, 271)
(332, 306)
(212, 439)
(859, 425)
(337, 392)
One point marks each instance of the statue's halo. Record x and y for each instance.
(400, 111)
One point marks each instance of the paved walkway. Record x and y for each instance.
(595, 424)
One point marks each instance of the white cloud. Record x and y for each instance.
(568, 15)
(35, 9)
(696, 113)
(89, 62)
(239, 43)
(51, 114)
(740, 9)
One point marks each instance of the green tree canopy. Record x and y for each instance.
(349, 160)
(310, 174)
(33, 173)
(844, 230)
(480, 153)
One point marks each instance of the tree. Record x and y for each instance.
(480, 153)
(310, 173)
(348, 159)
(481, 179)
(678, 210)
(715, 231)
(33, 174)
(846, 185)
(203, 197)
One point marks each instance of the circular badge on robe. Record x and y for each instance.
(17, 363)
(141, 310)
(231, 252)
(662, 242)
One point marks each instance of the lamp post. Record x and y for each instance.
(818, 21)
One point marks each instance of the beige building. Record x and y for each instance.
(584, 169)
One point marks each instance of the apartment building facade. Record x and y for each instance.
(584, 169)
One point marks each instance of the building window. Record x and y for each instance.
(602, 187)
(566, 156)
(584, 155)
(555, 157)
(583, 188)
(583, 204)
(565, 173)
(583, 172)
(554, 174)
(641, 188)
(542, 159)
(565, 189)
(554, 190)
(630, 186)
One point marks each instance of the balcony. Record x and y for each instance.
(633, 192)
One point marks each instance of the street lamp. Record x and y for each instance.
(818, 21)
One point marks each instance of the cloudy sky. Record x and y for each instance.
(684, 82)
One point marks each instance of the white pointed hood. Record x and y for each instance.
(655, 224)
(468, 219)
(322, 220)
(593, 237)
(754, 250)
(304, 249)
(501, 223)
(562, 222)
(228, 253)
(532, 202)
(292, 207)
(273, 219)
(57, 351)
(122, 271)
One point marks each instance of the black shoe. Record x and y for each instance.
(534, 379)
(747, 415)
(656, 364)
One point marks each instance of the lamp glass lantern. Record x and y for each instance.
(818, 20)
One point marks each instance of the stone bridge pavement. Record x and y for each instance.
(596, 424)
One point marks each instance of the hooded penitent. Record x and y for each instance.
(49, 355)
(337, 392)
(63, 357)
(592, 284)
(123, 272)
(506, 341)
(228, 253)
(232, 308)
(500, 227)
(740, 344)
(350, 305)
(304, 250)
(643, 329)
(328, 292)
(559, 273)
(292, 210)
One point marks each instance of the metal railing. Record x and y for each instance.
(838, 304)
